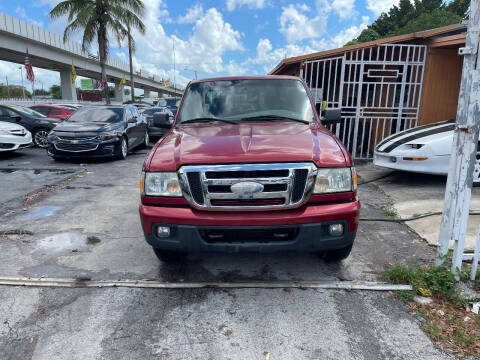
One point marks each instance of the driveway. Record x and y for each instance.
(413, 194)
(86, 223)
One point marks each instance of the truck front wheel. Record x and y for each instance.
(168, 256)
(338, 254)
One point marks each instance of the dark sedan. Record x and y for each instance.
(38, 124)
(171, 103)
(99, 131)
(154, 129)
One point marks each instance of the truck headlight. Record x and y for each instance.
(335, 180)
(161, 184)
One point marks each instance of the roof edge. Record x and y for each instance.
(393, 39)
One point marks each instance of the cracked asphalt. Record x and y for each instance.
(51, 236)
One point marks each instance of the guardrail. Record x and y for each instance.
(23, 29)
(29, 102)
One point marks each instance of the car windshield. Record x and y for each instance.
(27, 111)
(172, 102)
(247, 99)
(97, 115)
(152, 111)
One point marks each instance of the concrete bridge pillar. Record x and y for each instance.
(146, 93)
(69, 92)
(118, 93)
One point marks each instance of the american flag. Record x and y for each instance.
(28, 68)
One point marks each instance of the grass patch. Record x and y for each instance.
(451, 329)
(448, 324)
(465, 275)
(430, 281)
(92, 240)
(390, 212)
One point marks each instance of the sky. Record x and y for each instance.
(217, 37)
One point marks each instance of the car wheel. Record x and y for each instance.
(146, 140)
(168, 256)
(40, 137)
(337, 254)
(123, 149)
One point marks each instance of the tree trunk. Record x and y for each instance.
(132, 82)
(102, 51)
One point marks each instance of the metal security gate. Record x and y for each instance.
(378, 90)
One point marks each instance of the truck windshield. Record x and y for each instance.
(246, 99)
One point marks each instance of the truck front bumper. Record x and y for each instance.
(304, 229)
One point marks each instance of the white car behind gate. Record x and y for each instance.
(13, 137)
(424, 149)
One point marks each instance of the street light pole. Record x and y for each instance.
(194, 71)
(458, 191)
(21, 75)
(41, 82)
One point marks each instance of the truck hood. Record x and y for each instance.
(261, 142)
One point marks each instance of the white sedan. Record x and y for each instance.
(13, 137)
(424, 149)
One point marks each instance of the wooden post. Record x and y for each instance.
(458, 191)
(476, 255)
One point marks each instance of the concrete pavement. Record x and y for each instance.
(118, 323)
(414, 194)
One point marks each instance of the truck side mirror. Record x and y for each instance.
(160, 119)
(332, 116)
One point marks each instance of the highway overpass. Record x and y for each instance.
(48, 51)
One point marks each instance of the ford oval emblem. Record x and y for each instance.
(246, 188)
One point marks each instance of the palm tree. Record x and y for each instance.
(97, 18)
(132, 22)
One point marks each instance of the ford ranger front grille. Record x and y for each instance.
(247, 186)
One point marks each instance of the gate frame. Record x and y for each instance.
(356, 58)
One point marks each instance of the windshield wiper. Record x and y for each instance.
(206, 119)
(273, 118)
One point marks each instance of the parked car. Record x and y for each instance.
(99, 131)
(13, 137)
(424, 149)
(248, 166)
(72, 107)
(157, 131)
(53, 111)
(172, 103)
(38, 124)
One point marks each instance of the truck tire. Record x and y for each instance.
(168, 256)
(338, 254)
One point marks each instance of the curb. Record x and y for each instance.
(78, 283)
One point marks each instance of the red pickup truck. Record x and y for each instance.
(248, 166)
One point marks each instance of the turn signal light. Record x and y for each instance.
(415, 158)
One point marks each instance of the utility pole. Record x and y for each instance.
(21, 75)
(8, 87)
(458, 191)
(174, 75)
